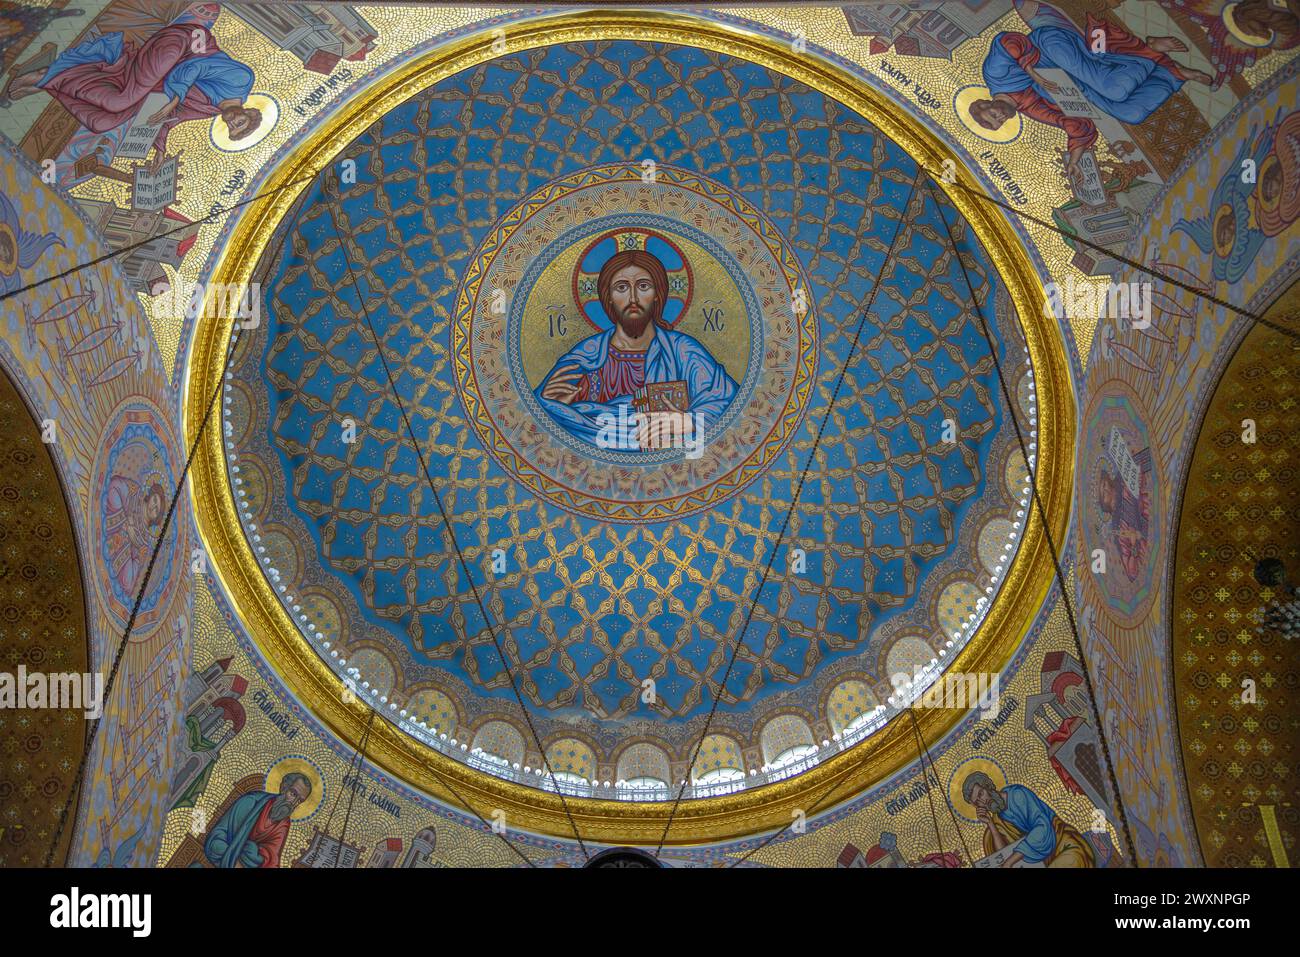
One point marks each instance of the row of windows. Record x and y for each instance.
(787, 743)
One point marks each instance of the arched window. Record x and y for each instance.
(906, 658)
(434, 710)
(850, 706)
(487, 761)
(571, 760)
(719, 761)
(791, 755)
(644, 770)
(644, 784)
(566, 782)
(372, 671)
(498, 743)
(720, 776)
(787, 744)
(858, 723)
(781, 734)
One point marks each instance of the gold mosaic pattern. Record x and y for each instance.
(1242, 505)
(42, 628)
(1027, 580)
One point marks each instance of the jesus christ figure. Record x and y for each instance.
(594, 383)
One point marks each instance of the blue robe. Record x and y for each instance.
(1123, 85)
(672, 356)
(217, 75)
(228, 843)
(1027, 812)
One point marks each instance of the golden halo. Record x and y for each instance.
(1267, 166)
(959, 775)
(296, 762)
(659, 244)
(270, 110)
(1008, 132)
(1222, 250)
(1250, 39)
(8, 263)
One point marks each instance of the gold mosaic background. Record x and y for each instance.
(42, 628)
(1242, 504)
(1237, 760)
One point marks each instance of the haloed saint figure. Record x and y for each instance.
(640, 384)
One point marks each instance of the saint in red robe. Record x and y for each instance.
(269, 836)
(103, 83)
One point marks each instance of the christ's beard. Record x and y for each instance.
(635, 324)
(280, 809)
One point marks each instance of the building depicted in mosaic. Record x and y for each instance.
(783, 436)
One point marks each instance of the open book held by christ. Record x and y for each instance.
(662, 397)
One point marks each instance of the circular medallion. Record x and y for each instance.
(1120, 510)
(482, 246)
(134, 482)
(560, 364)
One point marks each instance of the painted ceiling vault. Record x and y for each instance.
(643, 570)
(413, 289)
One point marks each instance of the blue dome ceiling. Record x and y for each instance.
(589, 604)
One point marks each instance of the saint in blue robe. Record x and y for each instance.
(228, 843)
(103, 83)
(1027, 812)
(217, 75)
(1126, 85)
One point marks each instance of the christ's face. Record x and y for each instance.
(633, 297)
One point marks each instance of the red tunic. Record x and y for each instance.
(622, 374)
(269, 836)
(103, 96)
(1080, 132)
